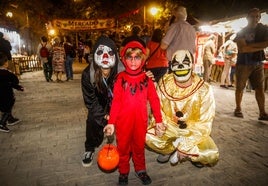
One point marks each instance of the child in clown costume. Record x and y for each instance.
(188, 110)
(128, 114)
(97, 83)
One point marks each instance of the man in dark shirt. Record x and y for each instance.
(251, 42)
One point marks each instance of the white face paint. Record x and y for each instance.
(104, 57)
(181, 65)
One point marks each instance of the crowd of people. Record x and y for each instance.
(181, 130)
(178, 121)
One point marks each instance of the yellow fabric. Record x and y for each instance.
(197, 104)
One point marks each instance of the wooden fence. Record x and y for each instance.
(26, 64)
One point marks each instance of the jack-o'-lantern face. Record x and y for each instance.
(182, 65)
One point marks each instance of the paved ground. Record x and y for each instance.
(46, 148)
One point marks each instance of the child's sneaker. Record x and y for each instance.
(13, 121)
(145, 179)
(123, 179)
(87, 161)
(4, 128)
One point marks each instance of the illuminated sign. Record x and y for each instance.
(73, 24)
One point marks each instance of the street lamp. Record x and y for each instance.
(51, 32)
(153, 11)
(9, 14)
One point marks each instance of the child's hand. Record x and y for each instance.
(109, 129)
(160, 129)
(150, 75)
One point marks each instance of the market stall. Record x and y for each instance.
(223, 29)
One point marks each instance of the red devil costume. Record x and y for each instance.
(128, 113)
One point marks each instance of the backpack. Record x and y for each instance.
(44, 51)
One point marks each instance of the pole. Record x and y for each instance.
(144, 15)
(153, 22)
(29, 48)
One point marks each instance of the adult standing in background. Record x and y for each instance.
(5, 47)
(157, 61)
(87, 49)
(135, 36)
(58, 59)
(208, 57)
(44, 53)
(229, 51)
(80, 51)
(70, 56)
(180, 35)
(251, 42)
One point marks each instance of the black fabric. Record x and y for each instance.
(8, 81)
(5, 47)
(69, 49)
(4, 118)
(133, 38)
(261, 33)
(48, 70)
(94, 135)
(98, 105)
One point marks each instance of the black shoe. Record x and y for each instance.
(13, 121)
(145, 179)
(223, 86)
(87, 161)
(198, 164)
(264, 117)
(51, 80)
(4, 128)
(123, 179)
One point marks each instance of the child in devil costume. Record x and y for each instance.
(128, 114)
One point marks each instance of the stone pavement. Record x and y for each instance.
(46, 148)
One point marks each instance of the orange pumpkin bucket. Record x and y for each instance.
(108, 158)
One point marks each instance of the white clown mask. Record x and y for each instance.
(104, 57)
(182, 65)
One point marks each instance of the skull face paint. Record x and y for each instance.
(104, 57)
(181, 65)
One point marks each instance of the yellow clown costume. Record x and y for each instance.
(197, 105)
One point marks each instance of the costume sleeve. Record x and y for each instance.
(116, 103)
(154, 101)
(15, 82)
(90, 99)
